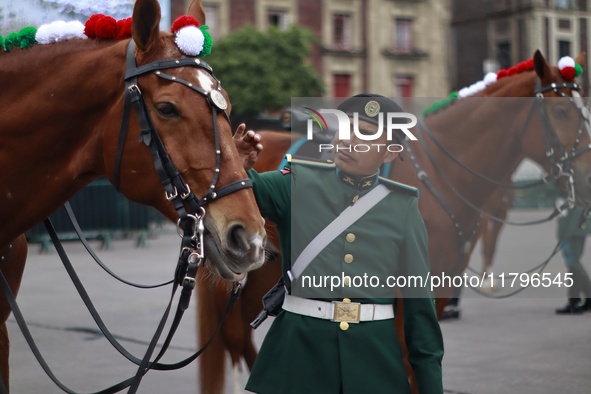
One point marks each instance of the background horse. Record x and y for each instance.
(498, 207)
(489, 136)
(62, 111)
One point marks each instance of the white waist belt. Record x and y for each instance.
(351, 312)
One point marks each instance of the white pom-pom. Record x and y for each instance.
(566, 61)
(472, 89)
(490, 78)
(42, 35)
(74, 29)
(464, 92)
(58, 31)
(190, 40)
(480, 86)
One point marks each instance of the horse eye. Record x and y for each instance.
(167, 110)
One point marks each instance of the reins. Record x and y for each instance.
(537, 269)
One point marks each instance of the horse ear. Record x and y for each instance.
(541, 66)
(145, 25)
(581, 59)
(196, 10)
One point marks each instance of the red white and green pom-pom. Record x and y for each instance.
(568, 68)
(191, 38)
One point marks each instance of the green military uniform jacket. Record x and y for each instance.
(303, 354)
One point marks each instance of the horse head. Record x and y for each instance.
(185, 147)
(560, 141)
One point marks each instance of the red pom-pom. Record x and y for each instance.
(530, 64)
(182, 21)
(502, 74)
(521, 67)
(568, 73)
(90, 25)
(123, 28)
(512, 71)
(106, 27)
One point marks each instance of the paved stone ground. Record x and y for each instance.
(515, 345)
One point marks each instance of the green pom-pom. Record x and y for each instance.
(207, 42)
(441, 104)
(12, 40)
(2, 43)
(27, 37)
(578, 70)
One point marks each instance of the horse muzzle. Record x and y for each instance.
(234, 254)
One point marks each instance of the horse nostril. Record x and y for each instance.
(237, 238)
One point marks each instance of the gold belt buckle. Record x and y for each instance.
(349, 312)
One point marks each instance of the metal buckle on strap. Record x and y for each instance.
(188, 282)
(172, 195)
(349, 312)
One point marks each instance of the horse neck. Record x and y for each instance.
(55, 100)
(481, 135)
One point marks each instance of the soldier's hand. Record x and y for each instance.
(248, 145)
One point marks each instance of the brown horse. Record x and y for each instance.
(62, 111)
(488, 135)
(498, 207)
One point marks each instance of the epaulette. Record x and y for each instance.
(310, 163)
(397, 186)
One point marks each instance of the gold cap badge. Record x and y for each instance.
(372, 108)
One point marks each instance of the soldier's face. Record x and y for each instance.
(359, 157)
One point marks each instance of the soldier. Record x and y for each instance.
(571, 232)
(342, 339)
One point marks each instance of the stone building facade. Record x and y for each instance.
(397, 48)
(491, 34)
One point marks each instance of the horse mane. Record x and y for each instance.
(501, 84)
(490, 89)
(17, 59)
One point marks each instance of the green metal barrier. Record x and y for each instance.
(103, 213)
(540, 197)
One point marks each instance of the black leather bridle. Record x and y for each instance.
(560, 158)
